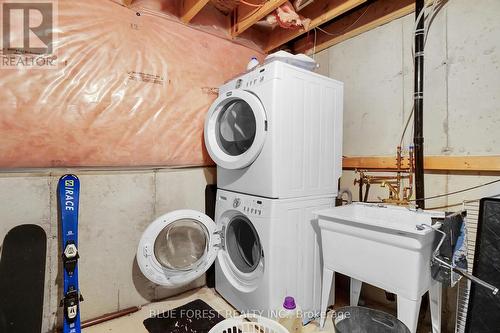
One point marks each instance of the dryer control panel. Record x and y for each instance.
(251, 79)
(256, 76)
(259, 75)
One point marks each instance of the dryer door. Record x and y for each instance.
(235, 129)
(178, 247)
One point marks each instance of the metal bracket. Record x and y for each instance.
(494, 290)
(222, 235)
(435, 258)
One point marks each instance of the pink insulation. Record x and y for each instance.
(286, 17)
(129, 90)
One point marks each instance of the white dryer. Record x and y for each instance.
(264, 249)
(276, 132)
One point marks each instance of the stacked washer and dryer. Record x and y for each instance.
(275, 134)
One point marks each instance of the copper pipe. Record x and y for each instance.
(392, 188)
(398, 193)
(110, 316)
(382, 178)
(406, 170)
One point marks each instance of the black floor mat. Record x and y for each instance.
(22, 279)
(193, 317)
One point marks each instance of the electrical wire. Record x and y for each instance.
(236, 19)
(314, 46)
(256, 6)
(436, 6)
(459, 203)
(253, 4)
(447, 194)
(406, 126)
(410, 116)
(335, 34)
(459, 191)
(346, 29)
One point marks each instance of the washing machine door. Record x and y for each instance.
(235, 129)
(178, 247)
(241, 259)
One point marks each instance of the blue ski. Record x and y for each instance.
(68, 193)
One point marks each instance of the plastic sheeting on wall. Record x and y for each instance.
(129, 90)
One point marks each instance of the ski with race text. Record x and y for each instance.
(69, 193)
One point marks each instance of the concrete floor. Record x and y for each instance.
(133, 323)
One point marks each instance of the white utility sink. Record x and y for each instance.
(385, 246)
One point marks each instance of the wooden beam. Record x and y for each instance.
(320, 12)
(189, 9)
(246, 16)
(463, 163)
(371, 162)
(366, 17)
(431, 163)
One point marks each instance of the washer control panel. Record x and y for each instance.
(236, 202)
(248, 205)
(253, 207)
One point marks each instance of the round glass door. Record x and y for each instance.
(178, 247)
(181, 245)
(242, 259)
(235, 129)
(243, 244)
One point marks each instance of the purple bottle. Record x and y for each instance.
(289, 303)
(290, 316)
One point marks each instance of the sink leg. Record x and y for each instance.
(355, 291)
(436, 301)
(408, 312)
(328, 280)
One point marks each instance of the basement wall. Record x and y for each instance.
(128, 88)
(100, 108)
(115, 208)
(461, 105)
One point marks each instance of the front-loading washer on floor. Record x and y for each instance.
(276, 132)
(264, 249)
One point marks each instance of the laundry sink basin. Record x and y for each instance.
(383, 244)
(389, 247)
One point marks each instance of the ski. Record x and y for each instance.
(68, 193)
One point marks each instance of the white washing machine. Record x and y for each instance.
(264, 249)
(276, 132)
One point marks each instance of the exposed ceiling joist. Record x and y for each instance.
(246, 15)
(366, 17)
(320, 11)
(189, 9)
(333, 21)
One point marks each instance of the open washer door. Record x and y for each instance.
(178, 247)
(235, 129)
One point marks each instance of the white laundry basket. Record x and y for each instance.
(248, 323)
